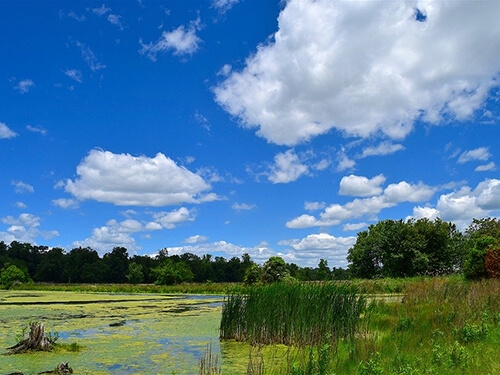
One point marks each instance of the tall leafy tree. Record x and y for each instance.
(85, 266)
(393, 248)
(52, 266)
(274, 270)
(117, 264)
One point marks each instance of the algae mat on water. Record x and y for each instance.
(121, 334)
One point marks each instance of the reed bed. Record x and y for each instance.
(299, 314)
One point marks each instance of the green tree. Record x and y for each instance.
(170, 273)
(10, 274)
(117, 263)
(323, 271)
(252, 275)
(135, 274)
(393, 248)
(51, 268)
(85, 266)
(274, 270)
(474, 266)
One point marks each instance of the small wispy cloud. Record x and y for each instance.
(35, 129)
(182, 41)
(224, 5)
(486, 167)
(74, 74)
(481, 153)
(90, 58)
(243, 206)
(384, 148)
(65, 203)
(196, 239)
(24, 86)
(73, 15)
(205, 124)
(22, 187)
(101, 11)
(116, 20)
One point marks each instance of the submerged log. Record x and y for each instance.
(36, 341)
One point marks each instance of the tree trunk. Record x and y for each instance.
(36, 341)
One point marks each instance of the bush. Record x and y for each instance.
(11, 274)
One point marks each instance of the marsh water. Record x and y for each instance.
(119, 334)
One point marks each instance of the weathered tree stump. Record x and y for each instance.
(36, 341)
(62, 369)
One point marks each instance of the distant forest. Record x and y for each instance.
(390, 248)
(84, 265)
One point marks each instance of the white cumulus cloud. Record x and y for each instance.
(366, 68)
(391, 196)
(6, 132)
(481, 153)
(287, 168)
(182, 41)
(127, 180)
(361, 186)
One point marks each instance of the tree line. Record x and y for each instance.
(26, 262)
(390, 248)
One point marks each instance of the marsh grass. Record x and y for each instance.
(295, 314)
(444, 326)
(185, 288)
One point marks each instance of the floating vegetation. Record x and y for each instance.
(157, 338)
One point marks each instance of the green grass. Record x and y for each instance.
(186, 288)
(301, 314)
(444, 326)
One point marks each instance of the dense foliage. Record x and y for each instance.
(395, 248)
(21, 262)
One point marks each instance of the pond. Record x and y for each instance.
(120, 334)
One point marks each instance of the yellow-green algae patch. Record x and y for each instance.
(119, 333)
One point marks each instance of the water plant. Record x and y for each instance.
(301, 314)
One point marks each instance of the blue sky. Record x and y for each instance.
(232, 126)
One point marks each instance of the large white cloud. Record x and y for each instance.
(366, 67)
(123, 179)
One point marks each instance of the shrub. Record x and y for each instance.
(11, 274)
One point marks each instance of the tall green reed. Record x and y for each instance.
(301, 314)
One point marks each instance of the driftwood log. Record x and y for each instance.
(36, 341)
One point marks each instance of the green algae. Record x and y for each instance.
(157, 334)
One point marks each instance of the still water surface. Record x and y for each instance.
(120, 334)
